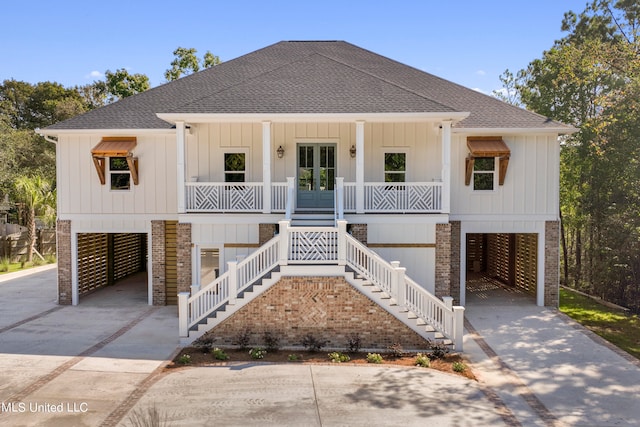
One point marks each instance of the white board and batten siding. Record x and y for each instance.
(206, 147)
(93, 206)
(530, 189)
(236, 236)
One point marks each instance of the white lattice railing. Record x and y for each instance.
(396, 197)
(311, 245)
(233, 197)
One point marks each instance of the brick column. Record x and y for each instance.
(455, 261)
(183, 255)
(63, 243)
(158, 263)
(359, 232)
(266, 233)
(552, 263)
(443, 260)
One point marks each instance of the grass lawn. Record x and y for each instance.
(615, 326)
(17, 266)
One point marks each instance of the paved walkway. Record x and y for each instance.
(101, 363)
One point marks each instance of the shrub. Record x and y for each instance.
(374, 358)
(458, 367)
(271, 341)
(185, 359)
(354, 343)
(242, 339)
(396, 350)
(151, 417)
(257, 353)
(423, 360)
(4, 265)
(313, 344)
(37, 262)
(438, 350)
(219, 354)
(50, 259)
(338, 357)
(206, 343)
(293, 358)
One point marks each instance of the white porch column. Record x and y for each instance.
(181, 169)
(446, 166)
(359, 166)
(266, 167)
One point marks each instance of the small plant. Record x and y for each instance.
(438, 350)
(458, 367)
(242, 339)
(423, 360)
(185, 359)
(151, 417)
(219, 354)
(338, 357)
(271, 341)
(354, 343)
(313, 344)
(257, 353)
(293, 358)
(37, 262)
(4, 264)
(396, 350)
(205, 343)
(50, 259)
(374, 358)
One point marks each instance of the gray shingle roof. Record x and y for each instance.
(307, 77)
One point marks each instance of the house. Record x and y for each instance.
(378, 184)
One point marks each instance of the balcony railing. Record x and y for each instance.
(379, 197)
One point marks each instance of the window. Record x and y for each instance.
(483, 173)
(395, 167)
(234, 167)
(209, 265)
(119, 174)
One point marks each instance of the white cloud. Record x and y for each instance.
(477, 89)
(94, 75)
(481, 73)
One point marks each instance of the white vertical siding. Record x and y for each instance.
(80, 191)
(531, 186)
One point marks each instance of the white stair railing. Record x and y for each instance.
(391, 279)
(225, 289)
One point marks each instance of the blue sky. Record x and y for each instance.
(470, 42)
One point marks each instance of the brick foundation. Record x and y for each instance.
(443, 260)
(63, 242)
(266, 233)
(551, 263)
(158, 263)
(183, 255)
(329, 308)
(359, 232)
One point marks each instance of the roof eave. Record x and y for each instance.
(112, 132)
(560, 130)
(312, 117)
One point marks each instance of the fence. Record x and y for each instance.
(15, 246)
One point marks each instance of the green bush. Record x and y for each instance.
(257, 353)
(4, 265)
(458, 367)
(423, 360)
(338, 357)
(374, 358)
(185, 359)
(219, 354)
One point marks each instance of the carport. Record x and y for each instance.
(507, 260)
(105, 259)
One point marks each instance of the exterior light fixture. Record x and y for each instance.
(352, 151)
(280, 152)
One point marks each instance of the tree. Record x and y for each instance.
(591, 79)
(36, 193)
(186, 62)
(121, 84)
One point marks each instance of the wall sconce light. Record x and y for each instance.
(280, 152)
(352, 151)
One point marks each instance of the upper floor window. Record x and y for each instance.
(119, 173)
(395, 167)
(484, 170)
(234, 167)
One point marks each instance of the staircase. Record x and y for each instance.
(299, 251)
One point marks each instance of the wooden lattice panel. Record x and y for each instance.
(476, 252)
(498, 257)
(127, 255)
(93, 262)
(171, 263)
(526, 262)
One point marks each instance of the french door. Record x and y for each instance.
(316, 176)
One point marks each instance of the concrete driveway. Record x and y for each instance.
(101, 364)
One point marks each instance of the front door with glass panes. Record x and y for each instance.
(316, 176)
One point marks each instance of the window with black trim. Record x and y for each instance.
(395, 167)
(484, 171)
(234, 167)
(119, 174)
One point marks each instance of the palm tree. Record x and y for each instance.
(37, 194)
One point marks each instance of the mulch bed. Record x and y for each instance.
(199, 356)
